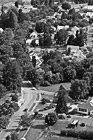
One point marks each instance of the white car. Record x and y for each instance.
(23, 138)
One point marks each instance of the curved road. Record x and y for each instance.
(30, 97)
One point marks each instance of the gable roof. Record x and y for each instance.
(88, 105)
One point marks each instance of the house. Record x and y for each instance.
(73, 48)
(87, 107)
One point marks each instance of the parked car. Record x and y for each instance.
(74, 122)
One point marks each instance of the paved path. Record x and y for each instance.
(30, 96)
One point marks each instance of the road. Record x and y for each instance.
(90, 36)
(30, 97)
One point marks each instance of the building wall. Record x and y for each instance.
(83, 112)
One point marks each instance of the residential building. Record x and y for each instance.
(87, 107)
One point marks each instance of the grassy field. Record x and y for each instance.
(6, 1)
(55, 87)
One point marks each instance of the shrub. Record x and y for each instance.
(14, 97)
(68, 116)
(14, 106)
(82, 124)
(81, 134)
(44, 100)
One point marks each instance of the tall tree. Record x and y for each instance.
(61, 37)
(13, 19)
(34, 77)
(61, 102)
(12, 75)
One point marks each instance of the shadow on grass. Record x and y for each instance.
(51, 134)
(40, 126)
(10, 130)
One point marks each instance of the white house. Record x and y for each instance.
(86, 108)
(73, 48)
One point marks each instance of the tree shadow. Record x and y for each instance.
(40, 126)
(10, 130)
(26, 85)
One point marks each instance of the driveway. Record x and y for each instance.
(30, 96)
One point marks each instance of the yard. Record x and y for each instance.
(54, 132)
(55, 87)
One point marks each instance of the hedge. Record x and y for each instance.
(78, 134)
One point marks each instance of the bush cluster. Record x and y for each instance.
(7, 109)
(78, 134)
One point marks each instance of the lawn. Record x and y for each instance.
(55, 87)
(6, 1)
(54, 132)
(41, 106)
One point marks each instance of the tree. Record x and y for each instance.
(8, 137)
(14, 97)
(3, 121)
(61, 37)
(25, 120)
(34, 61)
(16, 4)
(66, 6)
(12, 75)
(70, 40)
(51, 118)
(40, 27)
(80, 70)
(34, 77)
(79, 89)
(21, 17)
(13, 21)
(47, 40)
(46, 2)
(90, 2)
(61, 101)
(51, 3)
(2, 90)
(79, 38)
(69, 73)
(15, 106)
(72, 11)
(13, 9)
